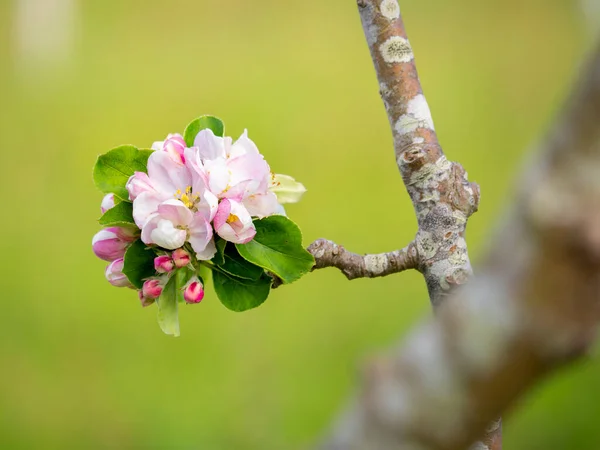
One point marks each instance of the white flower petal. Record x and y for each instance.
(262, 205)
(167, 236)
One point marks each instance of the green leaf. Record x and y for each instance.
(277, 247)
(168, 317)
(237, 266)
(239, 295)
(113, 169)
(201, 123)
(182, 276)
(139, 263)
(219, 257)
(119, 215)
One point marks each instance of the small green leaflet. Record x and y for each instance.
(120, 215)
(238, 294)
(201, 123)
(277, 247)
(139, 263)
(168, 317)
(113, 169)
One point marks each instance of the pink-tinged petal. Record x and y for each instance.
(176, 212)
(208, 205)
(247, 235)
(241, 213)
(243, 190)
(262, 205)
(167, 175)
(196, 168)
(174, 146)
(177, 138)
(145, 205)
(209, 146)
(148, 227)
(158, 145)
(114, 274)
(167, 236)
(209, 252)
(200, 236)
(218, 175)
(137, 184)
(227, 232)
(250, 167)
(244, 145)
(107, 244)
(233, 222)
(222, 214)
(108, 202)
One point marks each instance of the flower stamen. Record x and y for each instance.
(187, 198)
(232, 218)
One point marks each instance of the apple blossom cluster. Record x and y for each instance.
(196, 204)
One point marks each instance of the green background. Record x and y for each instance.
(82, 365)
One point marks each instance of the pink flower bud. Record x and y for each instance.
(108, 202)
(175, 147)
(163, 264)
(181, 258)
(144, 300)
(114, 274)
(194, 291)
(110, 244)
(152, 288)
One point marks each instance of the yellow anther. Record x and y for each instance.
(186, 201)
(232, 218)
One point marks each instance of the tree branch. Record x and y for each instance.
(442, 196)
(534, 307)
(329, 254)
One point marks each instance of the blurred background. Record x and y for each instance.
(82, 365)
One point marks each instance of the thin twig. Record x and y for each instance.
(330, 254)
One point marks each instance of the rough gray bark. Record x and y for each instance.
(534, 306)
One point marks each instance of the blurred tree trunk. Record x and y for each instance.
(45, 32)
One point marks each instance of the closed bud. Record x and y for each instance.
(194, 291)
(181, 258)
(152, 288)
(108, 202)
(163, 264)
(114, 274)
(110, 244)
(145, 301)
